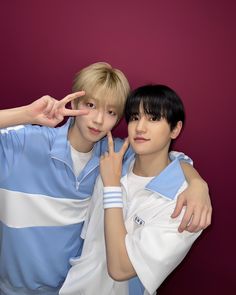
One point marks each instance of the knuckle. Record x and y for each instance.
(184, 224)
(194, 225)
(46, 97)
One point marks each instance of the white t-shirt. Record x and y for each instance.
(135, 185)
(79, 160)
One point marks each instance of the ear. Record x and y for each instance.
(176, 131)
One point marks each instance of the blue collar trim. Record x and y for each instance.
(169, 181)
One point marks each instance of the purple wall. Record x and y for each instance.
(188, 45)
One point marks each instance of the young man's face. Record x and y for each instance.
(94, 126)
(148, 136)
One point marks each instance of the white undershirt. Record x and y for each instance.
(136, 185)
(79, 160)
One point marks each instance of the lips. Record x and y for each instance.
(141, 139)
(94, 130)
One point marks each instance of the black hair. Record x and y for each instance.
(158, 101)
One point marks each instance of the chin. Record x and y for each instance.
(139, 152)
(95, 139)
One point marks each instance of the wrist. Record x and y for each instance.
(111, 181)
(112, 197)
(29, 117)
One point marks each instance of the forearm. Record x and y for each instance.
(191, 174)
(118, 262)
(15, 116)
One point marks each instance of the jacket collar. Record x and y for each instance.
(61, 147)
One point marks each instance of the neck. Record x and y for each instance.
(77, 142)
(149, 165)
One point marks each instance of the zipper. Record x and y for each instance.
(77, 183)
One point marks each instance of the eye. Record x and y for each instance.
(90, 105)
(112, 113)
(153, 118)
(133, 118)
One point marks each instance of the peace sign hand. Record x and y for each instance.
(49, 111)
(111, 163)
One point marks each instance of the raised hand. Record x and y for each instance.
(111, 163)
(49, 111)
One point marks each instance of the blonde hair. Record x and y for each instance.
(104, 83)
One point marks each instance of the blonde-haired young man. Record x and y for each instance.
(47, 178)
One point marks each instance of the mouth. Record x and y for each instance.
(94, 130)
(140, 139)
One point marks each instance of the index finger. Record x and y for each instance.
(110, 142)
(71, 97)
(74, 113)
(124, 147)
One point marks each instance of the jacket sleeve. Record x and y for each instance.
(11, 146)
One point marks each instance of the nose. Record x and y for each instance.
(141, 126)
(98, 117)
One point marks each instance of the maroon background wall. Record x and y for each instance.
(188, 45)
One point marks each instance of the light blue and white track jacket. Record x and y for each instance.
(42, 207)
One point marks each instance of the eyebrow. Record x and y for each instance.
(89, 96)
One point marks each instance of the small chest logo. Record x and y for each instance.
(139, 220)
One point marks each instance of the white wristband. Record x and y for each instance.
(112, 197)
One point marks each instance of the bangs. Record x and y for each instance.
(152, 105)
(107, 95)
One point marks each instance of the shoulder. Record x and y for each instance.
(40, 132)
(31, 135)
(20, 133)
